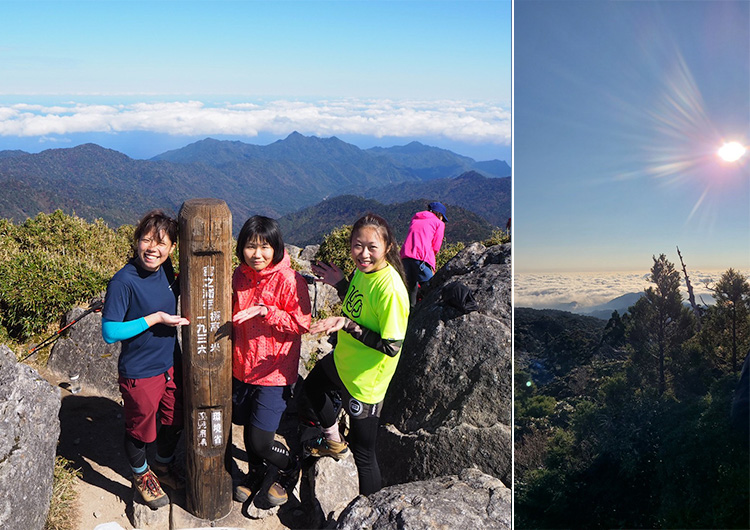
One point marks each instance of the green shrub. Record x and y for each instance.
(336, 248)
(540, 406)
(446, 254)
(498, 237)
(51, 262)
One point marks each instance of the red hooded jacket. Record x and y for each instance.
(266, 349)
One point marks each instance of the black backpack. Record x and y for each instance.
(459, 296)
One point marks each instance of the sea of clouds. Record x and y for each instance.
(463, 121)
(580, 292)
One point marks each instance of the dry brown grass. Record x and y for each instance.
(62, 505)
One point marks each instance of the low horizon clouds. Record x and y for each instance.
(582, 291)
(463, 121)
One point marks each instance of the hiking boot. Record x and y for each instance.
(250, 483)
(147, 485)
(324, 447)
(169, 475)
(285, 481)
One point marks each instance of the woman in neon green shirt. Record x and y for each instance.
(370, 335)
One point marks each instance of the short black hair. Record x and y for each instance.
(158, 222)
(261, 228)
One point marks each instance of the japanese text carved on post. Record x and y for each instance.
(206, 298)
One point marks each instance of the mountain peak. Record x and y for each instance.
(471, 175)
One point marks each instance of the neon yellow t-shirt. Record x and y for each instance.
(379, 302)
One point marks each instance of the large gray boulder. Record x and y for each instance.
(333, 485)
(471, 500)
(82, 350)
(29, 429)
(449, 404)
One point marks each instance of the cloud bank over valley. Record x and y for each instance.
(582, 292)
(455, 121)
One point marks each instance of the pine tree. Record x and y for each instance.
(732, 293)
(659, 323)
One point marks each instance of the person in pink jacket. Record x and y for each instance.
(270, 313)
(422, 243)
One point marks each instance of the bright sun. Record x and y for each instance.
(731, 151)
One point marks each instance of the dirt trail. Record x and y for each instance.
(91, 437)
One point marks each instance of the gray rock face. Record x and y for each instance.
(449, 403)
(82, 350)
(324, 301)
(29, 428)
(470, 500)
(333, 485)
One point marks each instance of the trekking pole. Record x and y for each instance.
(311, 281)
(95, 306)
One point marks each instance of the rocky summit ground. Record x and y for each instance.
(91, 437)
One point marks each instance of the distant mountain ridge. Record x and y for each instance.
(489, 197)
(309, 225)
(600, 311)
(430, 163)
(273, 180)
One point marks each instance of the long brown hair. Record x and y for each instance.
(384, 229)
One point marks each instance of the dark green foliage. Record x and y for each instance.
(614, 332)
(550, 343)
(630, 449)
(729, 317)
(336, 248)
(538, 407)
(659, 324)
(50, 263)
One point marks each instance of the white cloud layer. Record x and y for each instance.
(469, 122)
(582, 291)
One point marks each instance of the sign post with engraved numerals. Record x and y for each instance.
(206, 300)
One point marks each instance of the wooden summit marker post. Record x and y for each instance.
(206, 300)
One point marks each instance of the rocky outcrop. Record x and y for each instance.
(333, 485)
(470, 500)
(81, 350)
(29, 428)
(449, 404)
(324, 301)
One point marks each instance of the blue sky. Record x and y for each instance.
(143, 77)
(620, 108)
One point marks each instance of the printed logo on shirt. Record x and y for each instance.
(353, 303)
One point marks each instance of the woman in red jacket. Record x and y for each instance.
(270, 313)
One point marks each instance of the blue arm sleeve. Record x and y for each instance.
(115, 331)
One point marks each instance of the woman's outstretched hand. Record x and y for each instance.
(250, 312)
(327, 272)
(328, 325)
(161, 317)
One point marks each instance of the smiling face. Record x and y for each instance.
(369, 249)
(258, 254)
(153, 250)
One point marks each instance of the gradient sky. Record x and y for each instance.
(143, 77)
(619, 109)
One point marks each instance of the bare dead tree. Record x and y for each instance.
(691, 296)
